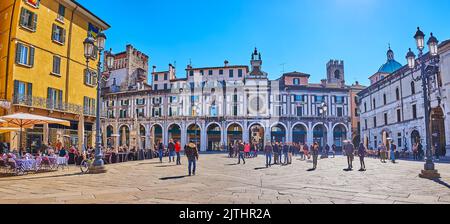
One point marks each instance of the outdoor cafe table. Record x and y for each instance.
(26, 164)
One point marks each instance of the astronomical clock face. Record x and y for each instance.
(257, 104)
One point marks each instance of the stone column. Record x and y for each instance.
(203, 138)
(310, 136)
(289, 136)
(447, 133)
(330, 134)
(183, 134)
(45, 134)
(147, 137)
(245, 133)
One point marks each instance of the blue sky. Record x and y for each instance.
(301, 34)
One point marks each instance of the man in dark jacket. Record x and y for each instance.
(268, 150)
(192, 155)
(276, 151)
(160, 151)
(171, 148)
(241, 148)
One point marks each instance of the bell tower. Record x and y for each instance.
(335, 72)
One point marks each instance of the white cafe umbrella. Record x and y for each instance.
(23, 120)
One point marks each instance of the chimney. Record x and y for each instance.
(323, 82)
(226, 63)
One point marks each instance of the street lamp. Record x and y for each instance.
(89, 53)
(323, 111)
(427, 70)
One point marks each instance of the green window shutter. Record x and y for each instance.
(30, 94)
(54, 32)
(34, 24)
(60, 99)
(63, 37)
(18, 52)
(31, 62)
(16, 89)
(22, 21)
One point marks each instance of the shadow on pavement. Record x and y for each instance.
(173, 178)
(44, 177)
(439, 181)
(261, 168)
(164, 166)
(310, 170)
(231, 164)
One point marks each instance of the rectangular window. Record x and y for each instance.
(54, 99)
(24, 55)
(58, 34)
(240, 73)
(365, 107)
(340, 99)
(296, 82)
(221, 72)
(89, 77)
(299, 111)
(140, 113)
(140, 101)
(374, 122)
(124, 102)
(319, 99)
(89, 106)
(111, 114)
(210, 72)
(386, 119)
(61, 12)
(235, 110)
(123, 114)
(365, 124)
(155, 87)
(231, 72)
(23, 93)
(399, 140)
(414, 111)
(56, 65)
(165, 76)
(156, 77)
(28, 20)
(191, 73)
(298, 98)
(340, 112)
(165, 86)
(399, 115)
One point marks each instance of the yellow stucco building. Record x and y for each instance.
(43, 69)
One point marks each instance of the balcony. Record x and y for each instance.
(46, 104)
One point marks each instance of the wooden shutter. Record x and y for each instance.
(31, 62)
(22, 17)
(30, 94)
(18, 52)
(16, 90)
(34, 24)
(60, 99)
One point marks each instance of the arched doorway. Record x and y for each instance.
(415, 137)
(299, 133)
(278, 133)
(109, 136)
(194, 134)
(320, 134)
(124, 139)
(157, 132)
(386, 139)
(257, 135)
(438, 130)
(339, 135)
(234, 133)
(214, 138)
(142, 134)
(175, 132)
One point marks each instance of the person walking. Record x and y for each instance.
(276, 151)
(393, 152)
(160, 151)
(268, 151)
(177, 151)
(192, 155)
(171, 149)
(362, 155)
(415, 152)
(301, 151)
(247, 150)
(306, 152)
(315, 154)
(285, 153)
(291, 150)
(236, 149)
(382, 149)
(349, 149)
(241, 149)
(230, 150)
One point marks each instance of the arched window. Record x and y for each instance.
(413, 88)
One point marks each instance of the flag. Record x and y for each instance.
(35, 3)
(92, 30)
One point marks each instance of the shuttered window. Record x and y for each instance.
(89, 77)
(58, 34)
(24, 55)
(28, 20)
(56, 65)
(54, 99)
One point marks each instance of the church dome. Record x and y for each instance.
(391, 65)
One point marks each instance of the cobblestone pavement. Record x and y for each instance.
(219, 180)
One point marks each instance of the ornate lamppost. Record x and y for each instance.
(90, 53)
(427, 70)
(323, 111)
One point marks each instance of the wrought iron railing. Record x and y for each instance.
(48, 104)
